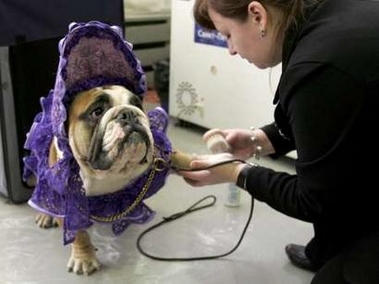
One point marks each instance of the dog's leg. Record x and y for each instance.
(43, 220)
(46, 221)
(83, 256)
(180, 160)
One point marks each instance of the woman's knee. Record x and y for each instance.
(357, 265)
(331, 272)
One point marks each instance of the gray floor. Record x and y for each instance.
(33, 255)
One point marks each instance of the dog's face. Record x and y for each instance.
(110, 138)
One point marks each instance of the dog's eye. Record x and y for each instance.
(97, 112)
(136, 101)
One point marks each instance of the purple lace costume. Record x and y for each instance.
(91, 54)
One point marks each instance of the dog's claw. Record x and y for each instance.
(81, 266)
(46, 221)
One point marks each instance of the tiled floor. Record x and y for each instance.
(33, 255)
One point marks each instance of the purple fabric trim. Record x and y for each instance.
(59, 188)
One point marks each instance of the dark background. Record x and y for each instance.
(31, 30)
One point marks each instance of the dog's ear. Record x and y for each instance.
(53, 154)
(67, 104)
(66, 126)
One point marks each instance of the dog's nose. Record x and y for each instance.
(127, 116)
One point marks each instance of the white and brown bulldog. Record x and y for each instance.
(110, 137)
(94, 154)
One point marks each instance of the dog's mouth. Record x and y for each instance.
(122, 140)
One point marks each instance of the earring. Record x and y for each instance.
(263, 33)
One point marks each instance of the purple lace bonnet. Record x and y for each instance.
(91, 54)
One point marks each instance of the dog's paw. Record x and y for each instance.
(83, 265)
(46, 221)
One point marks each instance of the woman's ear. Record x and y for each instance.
(258, 13)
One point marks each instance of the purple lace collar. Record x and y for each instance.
(91, 54)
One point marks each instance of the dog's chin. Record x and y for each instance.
(117, 164)
(122, 172)
(124, 163)
(121, 157)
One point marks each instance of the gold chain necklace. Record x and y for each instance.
(158, 166)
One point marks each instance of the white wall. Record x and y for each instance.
(211, 88)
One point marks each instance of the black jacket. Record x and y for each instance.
(327, 109)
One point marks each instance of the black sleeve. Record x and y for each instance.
(281, 143)
(321, 109)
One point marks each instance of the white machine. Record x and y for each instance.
(208, 86)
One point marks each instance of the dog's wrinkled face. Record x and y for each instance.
(110, 138)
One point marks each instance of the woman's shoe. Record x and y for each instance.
(296, 255)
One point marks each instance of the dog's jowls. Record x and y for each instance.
(110, 138)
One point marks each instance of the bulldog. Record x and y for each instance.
(95, 154)
(111, 140)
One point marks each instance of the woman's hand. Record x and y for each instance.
(202, 173)
(241, 144)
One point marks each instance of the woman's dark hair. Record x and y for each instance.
(237, 10)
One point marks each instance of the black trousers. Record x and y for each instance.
(359, 264)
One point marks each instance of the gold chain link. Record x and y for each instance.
(157, 167)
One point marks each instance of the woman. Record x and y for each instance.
(326, 110)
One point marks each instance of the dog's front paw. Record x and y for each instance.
(83, 265)
(83, 255)
(46, 221)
